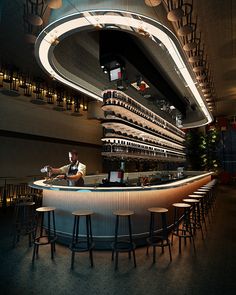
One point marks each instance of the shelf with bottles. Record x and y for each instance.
(138, 156)
(121, 113)
(143, 138)
(130, 128)
(125, 102)
(129, 141)
(115, 146)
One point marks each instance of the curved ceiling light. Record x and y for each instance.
(87, 19)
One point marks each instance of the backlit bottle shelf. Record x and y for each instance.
(126, 103)
(132, 131)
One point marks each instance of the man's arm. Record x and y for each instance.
(55, 170)
(75, 177)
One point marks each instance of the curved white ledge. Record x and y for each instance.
(41, 184)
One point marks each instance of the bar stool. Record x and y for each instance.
(182, 229)
(160, 239)
(205, 202)
(50, 236)
(207, 190)
(81, 244)
(196, 214)
(202, 207)
(211, 186)
(24, 221)
(122, 245)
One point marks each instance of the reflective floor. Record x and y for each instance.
(211, 270)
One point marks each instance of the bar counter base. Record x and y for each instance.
(104, 201)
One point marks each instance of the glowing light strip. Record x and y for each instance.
(80, 22)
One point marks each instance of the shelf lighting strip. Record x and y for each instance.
(77, 21)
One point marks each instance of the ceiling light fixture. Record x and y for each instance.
(153, 27)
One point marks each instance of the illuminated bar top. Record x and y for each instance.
(92, 183)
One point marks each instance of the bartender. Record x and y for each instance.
(73, 172)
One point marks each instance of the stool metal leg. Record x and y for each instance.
(165, 233)
(116, 252)
(116, 233)
(151, 226)
(74, 239)
(77, 229)
(54, 230)
(35, 250)
(88, 239)
(91, 241)
(131, 240)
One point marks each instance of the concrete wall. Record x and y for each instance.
(32, 136)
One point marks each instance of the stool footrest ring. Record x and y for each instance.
(123, 246)
(81, 246)
(52, 240)
(158, 241)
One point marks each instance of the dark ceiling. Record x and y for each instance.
(216, 21)
(112, 47)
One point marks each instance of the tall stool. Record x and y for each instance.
(160, 239)
(205, 202)
(120, 245)
(182, 225)
(78, 244)
(24, 221)
(49, 237)
(202, 207)
(209, 208)
(196, 214)
(211, 187)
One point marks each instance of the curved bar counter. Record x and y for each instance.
(104, 200)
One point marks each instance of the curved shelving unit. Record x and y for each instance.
(140, 133)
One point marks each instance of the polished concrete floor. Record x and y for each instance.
(211, 270)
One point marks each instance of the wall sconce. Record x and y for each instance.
(76, 112)
(21, 84)
(49, 97)
(69, 104)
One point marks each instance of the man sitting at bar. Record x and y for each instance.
(73, 172)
